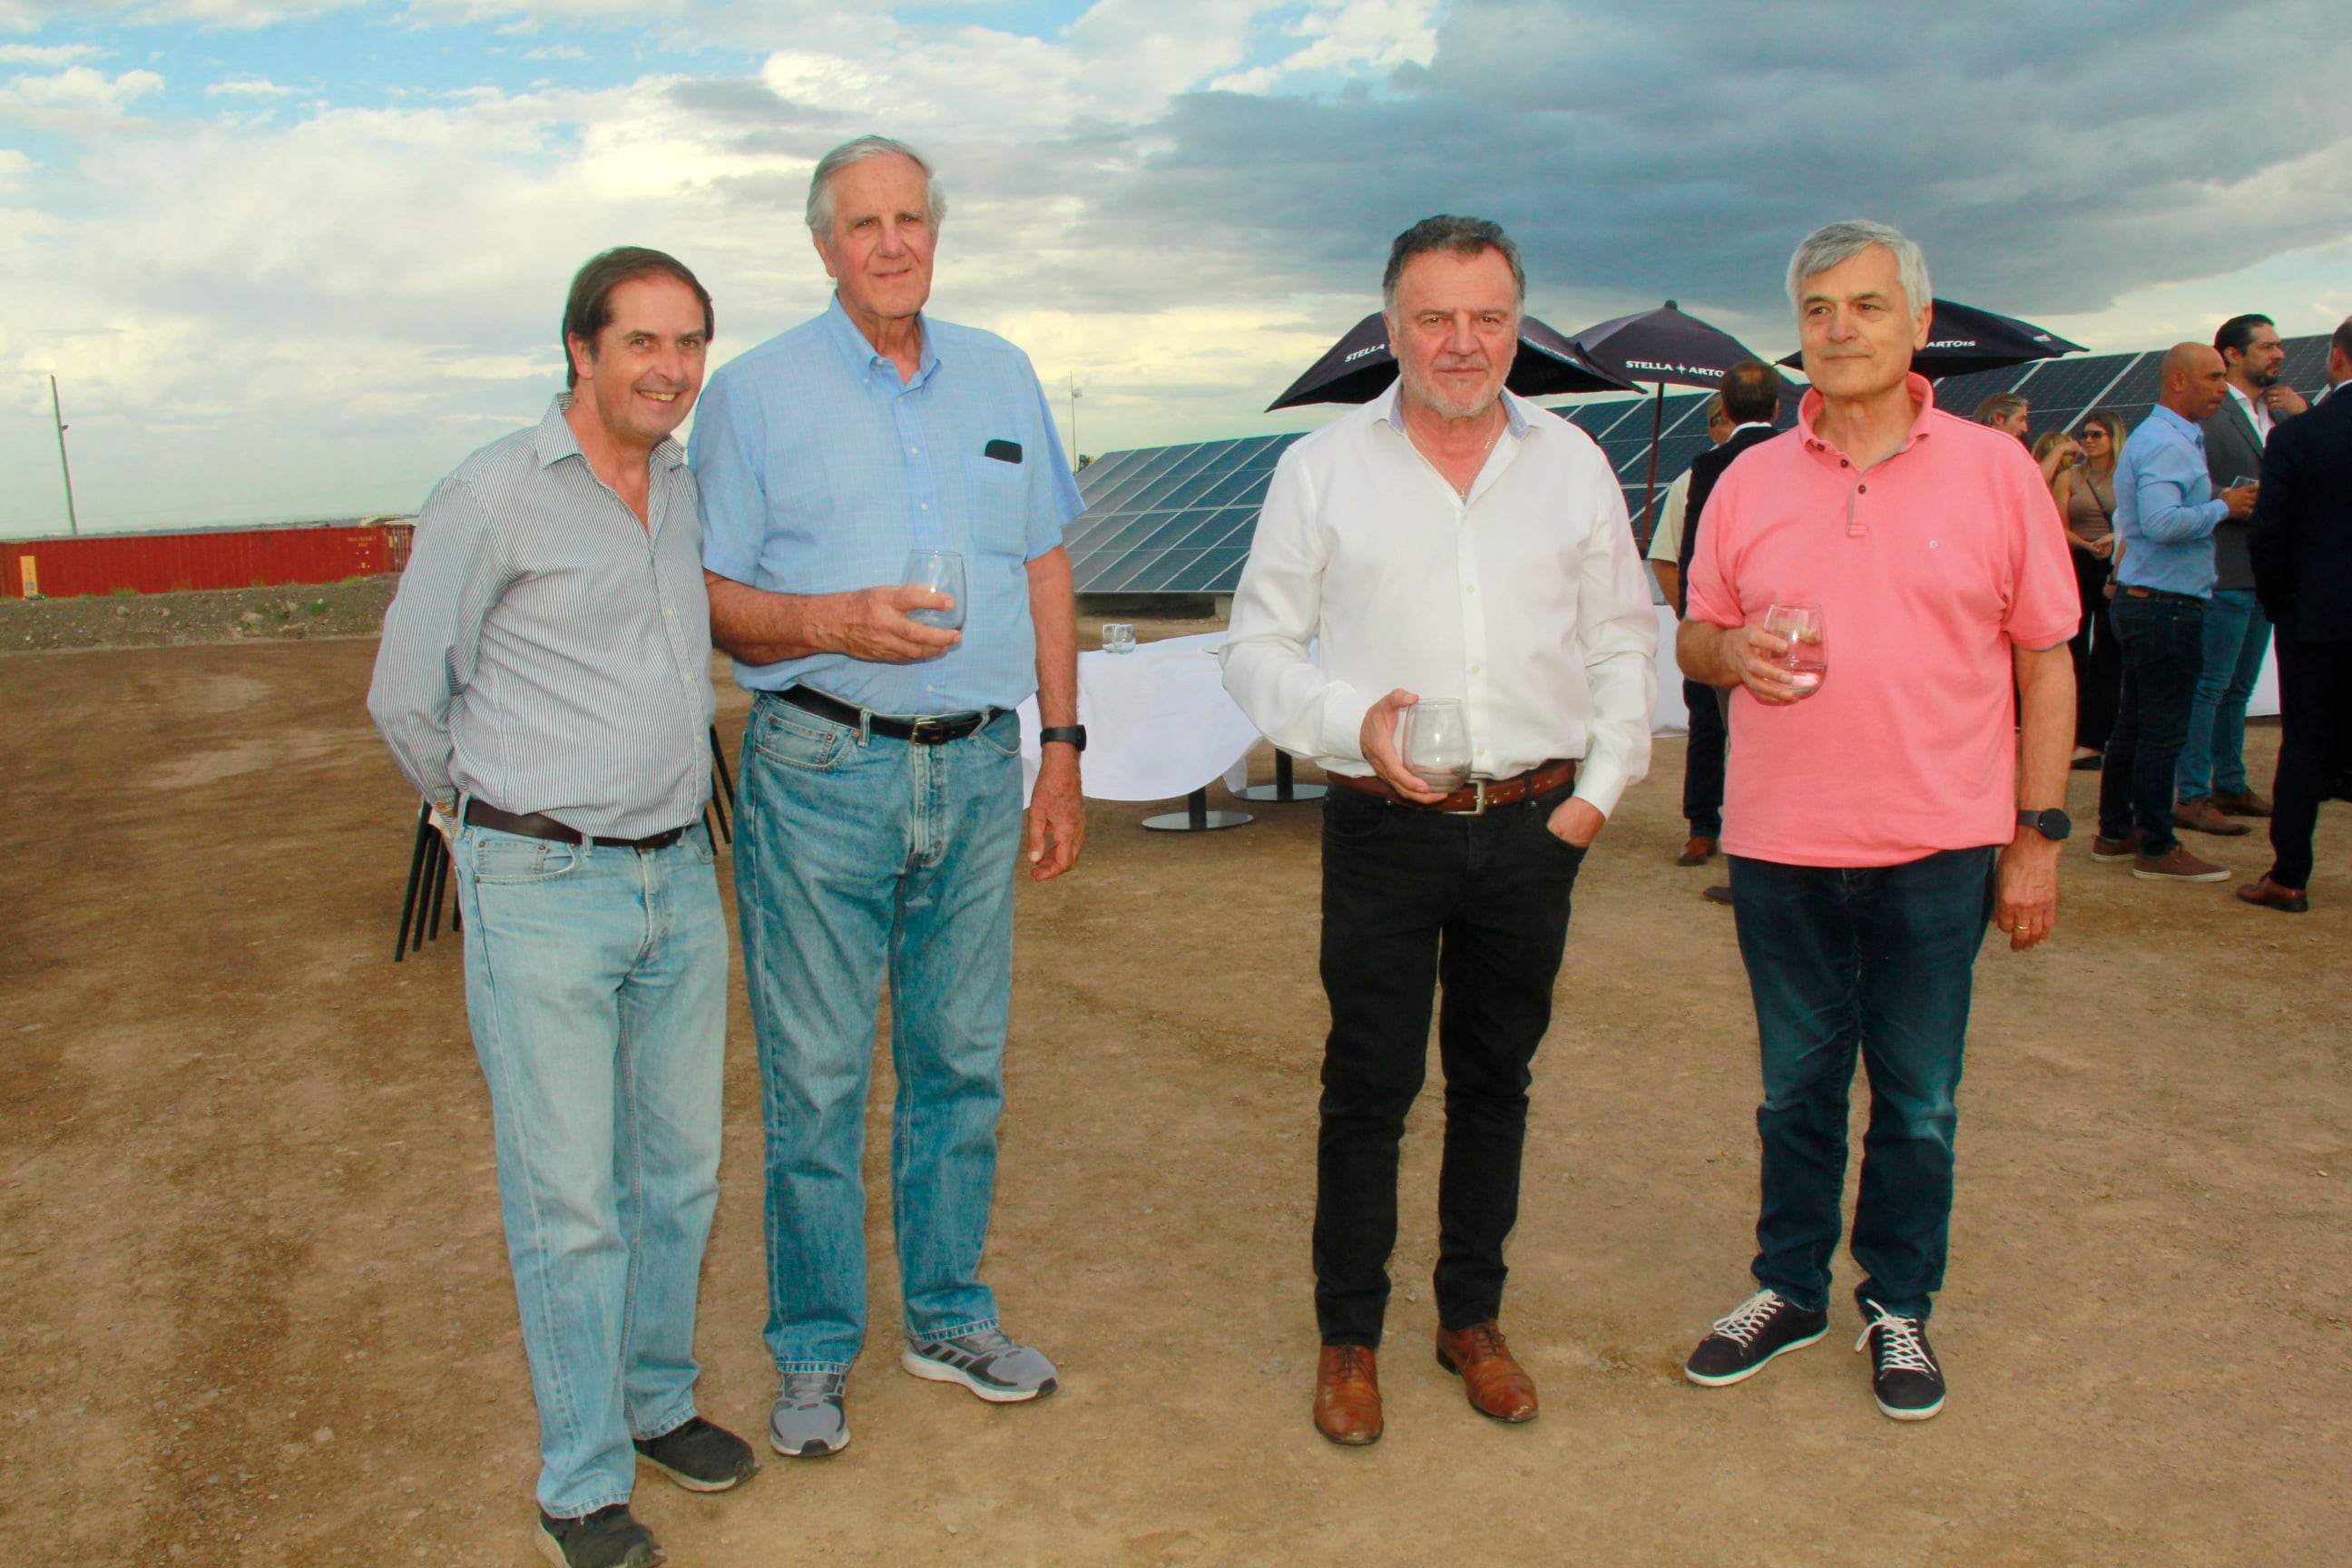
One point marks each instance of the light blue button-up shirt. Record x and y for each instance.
(820, 469)
(2165, 508)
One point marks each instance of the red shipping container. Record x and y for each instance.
(205, 558)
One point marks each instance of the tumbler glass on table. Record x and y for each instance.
(1117, 636)
(1806, 658)
(1437, 743)
(941, 571)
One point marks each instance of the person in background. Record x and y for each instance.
(2005, 412)
(2054, 452)
(2211, 784)
(544, 678)
(1703, 756)
(2085, 494)
(2165, 512)
(2300, 544)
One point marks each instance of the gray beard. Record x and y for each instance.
(1448, 406)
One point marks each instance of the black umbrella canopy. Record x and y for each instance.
(1963, 340)
(1666, 345)
(1360, 367)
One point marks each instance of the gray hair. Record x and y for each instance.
(819, 196)
(1827, 247)
(1466, 237)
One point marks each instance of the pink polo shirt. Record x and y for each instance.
(1930, 567)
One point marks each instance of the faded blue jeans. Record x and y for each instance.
(2214, 758)
(596, 985)
(860, 859)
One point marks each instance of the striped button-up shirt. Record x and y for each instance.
(547, 653)
(820, 469)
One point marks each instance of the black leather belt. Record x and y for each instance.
(532, 825)
(935, 732)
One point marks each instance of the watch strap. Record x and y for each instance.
(1069, 734)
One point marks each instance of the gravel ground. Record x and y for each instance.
(289, 611)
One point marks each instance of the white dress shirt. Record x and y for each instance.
(1525, 600)
(2258, 415)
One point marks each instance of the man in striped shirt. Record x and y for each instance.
(545, 680)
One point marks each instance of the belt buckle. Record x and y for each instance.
(1479, 788)
(927, 733)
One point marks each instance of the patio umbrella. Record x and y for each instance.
(1963, 340)
(1360, 367)
(1661, 346)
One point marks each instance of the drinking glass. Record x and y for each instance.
(941, 571)
(1117, 636)
(1807, 660)
(1437, 743)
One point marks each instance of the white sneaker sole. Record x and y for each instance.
(1892, 1413)
(694, 1483)
(932, 1370)
(1743, 1375)
(814, 1449)
(2219, 875)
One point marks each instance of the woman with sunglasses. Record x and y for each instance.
(2085, 494)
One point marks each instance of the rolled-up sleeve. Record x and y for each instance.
(1277, 609)
(1617, 637)
(726, 456)
(433, 636)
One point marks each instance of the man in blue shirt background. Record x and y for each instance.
(881, 796)
(2165, 512)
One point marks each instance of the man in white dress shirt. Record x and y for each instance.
(1447, 540)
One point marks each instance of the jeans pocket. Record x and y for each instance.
(798, 738)
(505, 861)
(698, 840)
(1003, 734)
(1350, 818)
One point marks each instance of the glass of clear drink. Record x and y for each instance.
(1117, 636)
(941, 571)
(1437, 743)
(1807, 660)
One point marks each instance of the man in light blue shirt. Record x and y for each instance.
(2166, 512)
(881, 797)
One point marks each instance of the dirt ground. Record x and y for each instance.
(254, 1305)
(287, 613)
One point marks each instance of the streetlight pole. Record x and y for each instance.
(56, 414)
(1075, 460)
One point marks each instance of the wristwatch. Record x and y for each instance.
(2053, 824)
(1068, 735)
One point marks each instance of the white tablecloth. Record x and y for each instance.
(1159, 723)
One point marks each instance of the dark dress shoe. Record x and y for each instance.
(1496, 1384)
(2245, 803)
(1347, 1395)
(1697, 850)
(2204, 817)
(2090, 764)
(1717, 896)
(2271, 895)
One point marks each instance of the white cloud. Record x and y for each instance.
(556, 52)
(248, 87)
(74, 96)
(1348, 38)
(48, 54)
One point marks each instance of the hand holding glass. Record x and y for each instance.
(1437, 743)
(1806, 658)
(941, 571)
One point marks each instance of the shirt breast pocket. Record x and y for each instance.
(998, 495)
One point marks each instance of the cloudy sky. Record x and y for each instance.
(297, 257)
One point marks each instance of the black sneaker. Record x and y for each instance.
(1903, 1370)
(699, 1457)
(608, 1538)
(1758, 1328)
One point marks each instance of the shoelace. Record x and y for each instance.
(1899, 1348)
(807, 1390)
(986, 1342)
(1355, 1364)
(1743, 1323)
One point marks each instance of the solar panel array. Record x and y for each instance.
(1178, 520)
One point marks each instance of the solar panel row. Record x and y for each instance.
(1178, 520)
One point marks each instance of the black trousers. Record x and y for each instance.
(2098, 657)
(1413, 899)
(1703, 761)
(2314, 731)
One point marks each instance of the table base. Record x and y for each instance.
(1196, 817)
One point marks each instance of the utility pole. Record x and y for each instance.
(1076, 462)
(57, 414)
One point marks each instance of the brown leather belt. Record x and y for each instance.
(1475, 800)
(532, 825)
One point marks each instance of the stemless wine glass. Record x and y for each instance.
(941, 571)
(1117, 636)
(1807, 660)
(1437, 743)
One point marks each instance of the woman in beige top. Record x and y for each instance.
(2085, 494)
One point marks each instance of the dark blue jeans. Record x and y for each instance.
(1876, 961)
(2163, 639)
(1703, 761)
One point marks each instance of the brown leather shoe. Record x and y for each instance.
(2178, 866)
(2245, 803)
(2204, 817)
(2271, 895)
(1717, 896)
(2123, 848)
(1696, 851)
(1347, 1395)
(1497, 1386)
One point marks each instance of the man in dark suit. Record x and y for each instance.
(1751, 400)
(2300, 541)
(2209, 782)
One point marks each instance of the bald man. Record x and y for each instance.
(2165, 512)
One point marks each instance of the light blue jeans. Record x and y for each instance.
(2214, 758)
(859, 857)
(596, 985)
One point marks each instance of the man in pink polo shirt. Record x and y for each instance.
(1877, 813)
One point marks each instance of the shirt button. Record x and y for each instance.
(1862, 489)
(915, 451)
(1472, 588)
(927, 506)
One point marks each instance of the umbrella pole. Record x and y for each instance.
(1650, 496)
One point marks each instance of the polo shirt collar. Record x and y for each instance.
(862, 355)
(553, 440)
(1923, 397)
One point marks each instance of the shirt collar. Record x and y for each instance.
(2168, 419)
(862, 355)
(1386, 409)
(1923, 395)
(554, 441)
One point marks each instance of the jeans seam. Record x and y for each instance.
(941, 1335)
(832, 1368)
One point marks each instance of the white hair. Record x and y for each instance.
(819, 196)
(1827, 247)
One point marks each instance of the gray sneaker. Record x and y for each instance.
(986, 1361)
(809, 1422)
